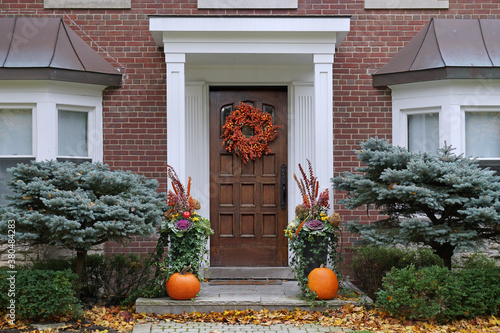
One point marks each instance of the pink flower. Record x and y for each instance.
(183, 225)
(314, 225)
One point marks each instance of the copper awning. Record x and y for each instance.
(446, 49)
(47, 49)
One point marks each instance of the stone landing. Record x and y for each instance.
(214, 297)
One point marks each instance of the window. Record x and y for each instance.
(423, 132)
(16, 132)
(16, 142)
(72, 134)
(482, 134)
(407, 4)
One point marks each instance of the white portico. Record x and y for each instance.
(205, 51)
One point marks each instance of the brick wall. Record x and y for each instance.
(135, 114)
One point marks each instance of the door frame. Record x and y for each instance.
(299, 137)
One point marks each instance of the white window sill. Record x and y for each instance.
(89, 4)
(407, 4)
(247, 4)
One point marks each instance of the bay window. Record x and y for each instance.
(48, 121)
(463, 114)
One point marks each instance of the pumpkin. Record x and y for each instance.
(323, 282)
(183, 285)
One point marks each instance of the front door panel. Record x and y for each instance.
(245, 202)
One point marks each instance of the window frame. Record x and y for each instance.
(33, 127)
(403, 122)
(91, 130)
(11, 157)
(463, 110)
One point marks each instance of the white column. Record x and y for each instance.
(301, 140)
(176, 115)
(197, 144)
(46, 140)
(323, 119)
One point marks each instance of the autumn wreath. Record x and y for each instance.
(248, 131)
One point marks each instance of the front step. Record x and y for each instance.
(218, 298)
(263, 273)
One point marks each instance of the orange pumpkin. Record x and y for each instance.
(323, 282)
(183, 285)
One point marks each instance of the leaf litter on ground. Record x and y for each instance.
(119, 319)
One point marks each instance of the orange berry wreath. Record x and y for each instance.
(245, 143)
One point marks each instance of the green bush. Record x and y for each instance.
(436, 293)
(41, 294)
(371, 263)
(124, 274)
(112, 277)
(51, 264)
(479, 260)
(479, 289)
(414, 293)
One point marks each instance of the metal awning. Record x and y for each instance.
(446, 49)
(47, 49)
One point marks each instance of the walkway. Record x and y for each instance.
(168, 327)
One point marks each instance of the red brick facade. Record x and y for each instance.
(135, 114)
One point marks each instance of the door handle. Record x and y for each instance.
(283, 186)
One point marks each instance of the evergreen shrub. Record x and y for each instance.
(124, 274)
(441, 200)
(371, 263)
(435, 293)
(113, 278)
(479, 289)
(79, 206)
(479, 260)
(41, 294)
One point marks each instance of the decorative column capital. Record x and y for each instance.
(323, 58)
(175, 57)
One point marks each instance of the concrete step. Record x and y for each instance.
(284, 273)
(217, 298)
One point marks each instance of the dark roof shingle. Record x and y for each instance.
(48, 49)
(446, 49)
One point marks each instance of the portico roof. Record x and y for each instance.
(47, 49)
(271, 40)
(446, 49)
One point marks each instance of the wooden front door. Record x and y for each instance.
(246, 199)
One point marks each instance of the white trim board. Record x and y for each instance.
(248, 4)
(407, 4)
(88, 4)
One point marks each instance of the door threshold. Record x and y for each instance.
(231, 273)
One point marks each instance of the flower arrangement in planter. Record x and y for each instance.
(183, 231)
(313, 235)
